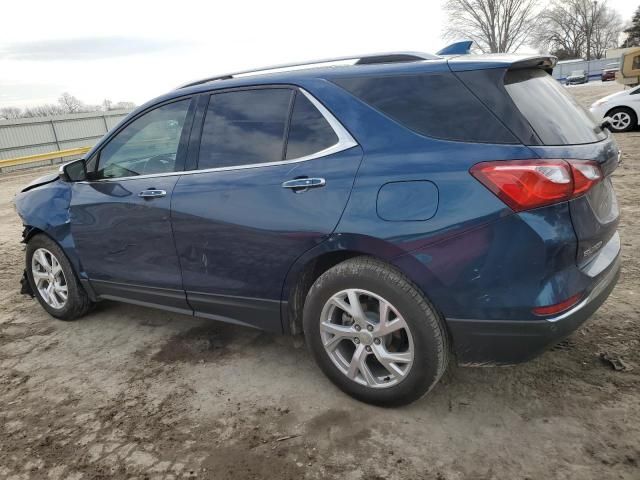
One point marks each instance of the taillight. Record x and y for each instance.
(527, 184)
(585, 176)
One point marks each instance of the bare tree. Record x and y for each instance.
(124, 106)
(579, 28)
(66, 104)
(559, 29)
(496, 26)
(46, 110)
(69, 103)
(10, 113)
(606, 32)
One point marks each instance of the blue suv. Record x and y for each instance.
(398, 210)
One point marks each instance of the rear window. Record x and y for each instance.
(436, 105)
(552, 112)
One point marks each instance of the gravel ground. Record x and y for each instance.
(129, 392)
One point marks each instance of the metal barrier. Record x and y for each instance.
(11, 162)
(23, 140)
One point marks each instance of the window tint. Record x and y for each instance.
(147, 145)
(552, 112)
(309, 131)
(244, 127)
(436, 105)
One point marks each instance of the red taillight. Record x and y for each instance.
(558, 307)
(585, 176)
(526, 184)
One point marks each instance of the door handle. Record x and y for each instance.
(301, 184)
(152, 193)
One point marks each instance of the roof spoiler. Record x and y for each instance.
(546, 63)
(457, 48)
(508, 61)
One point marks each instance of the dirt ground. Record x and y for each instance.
(129, 392)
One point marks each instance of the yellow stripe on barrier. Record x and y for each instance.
(43, 156)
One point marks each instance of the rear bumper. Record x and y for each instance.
(505, 342)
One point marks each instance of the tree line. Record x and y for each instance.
(67, 103)
(565, 28)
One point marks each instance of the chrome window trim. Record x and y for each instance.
(345, 142)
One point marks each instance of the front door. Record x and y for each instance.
(273, 178)
(120, 217)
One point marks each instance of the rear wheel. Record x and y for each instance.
(622, 119)
(53, 281)
(374, 334)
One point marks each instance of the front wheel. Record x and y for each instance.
(53, 281)
(374, 334)
(622, 119)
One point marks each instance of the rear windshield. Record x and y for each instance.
(436, 105)
(552, 112)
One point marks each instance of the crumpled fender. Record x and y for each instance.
(45, 207)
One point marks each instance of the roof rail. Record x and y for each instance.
(368, 59)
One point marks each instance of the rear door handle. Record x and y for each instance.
(152, 193)
(300, 184)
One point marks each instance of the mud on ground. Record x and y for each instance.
(129, 392)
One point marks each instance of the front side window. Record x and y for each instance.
(245, 127)
(146, 146)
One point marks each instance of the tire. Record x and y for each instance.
(623, 119)
(62, 278)
(424, 340)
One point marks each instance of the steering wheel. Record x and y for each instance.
(159, 163)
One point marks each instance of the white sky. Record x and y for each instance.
(134, 50)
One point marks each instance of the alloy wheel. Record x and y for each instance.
(366, 338)
(49, 278)
(620, 120)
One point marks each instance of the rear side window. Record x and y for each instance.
(552, 112)
(436, 105)
(245, 127)
(309, 131)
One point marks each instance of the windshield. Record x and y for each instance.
(553, 113)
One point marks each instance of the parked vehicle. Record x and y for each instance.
(622, 109)
(577, 77)
(396, 211)
(609, 72)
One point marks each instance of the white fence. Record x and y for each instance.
(593, 67)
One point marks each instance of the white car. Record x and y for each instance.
(622, 108)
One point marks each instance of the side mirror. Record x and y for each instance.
(606, 123)
(75, 171)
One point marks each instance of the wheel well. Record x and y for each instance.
(622, 107)
(29, 232)
(306, 279)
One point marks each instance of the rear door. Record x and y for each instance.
(120, 217)
(274, 173)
